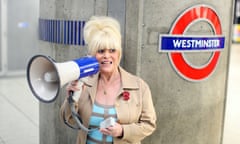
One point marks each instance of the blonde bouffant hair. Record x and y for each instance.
(102, 32)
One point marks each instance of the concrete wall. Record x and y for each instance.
(52, 130)
(188, 112)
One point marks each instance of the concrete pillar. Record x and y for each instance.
(188, 112)
(52, 130)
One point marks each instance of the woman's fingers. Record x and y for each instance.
(114, 131)
(72, 86)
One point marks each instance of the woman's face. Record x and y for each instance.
(108, 60)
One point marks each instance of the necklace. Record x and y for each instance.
(111, 84)
(108, 91)
(104, 90)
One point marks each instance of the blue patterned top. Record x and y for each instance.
(100, 113)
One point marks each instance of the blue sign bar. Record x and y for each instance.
(69, 32)
(182, 43)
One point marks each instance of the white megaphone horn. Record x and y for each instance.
(46, 77)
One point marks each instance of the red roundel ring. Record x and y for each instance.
(200, 12)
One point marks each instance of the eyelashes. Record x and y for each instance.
(101, 51)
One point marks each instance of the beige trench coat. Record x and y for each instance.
(136, 115)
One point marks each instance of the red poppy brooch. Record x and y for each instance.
(126, 95)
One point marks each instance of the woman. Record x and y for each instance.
(112, 92)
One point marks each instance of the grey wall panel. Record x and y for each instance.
(22, 32)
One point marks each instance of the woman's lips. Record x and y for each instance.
(106, 62)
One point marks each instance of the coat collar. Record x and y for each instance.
(129, 81)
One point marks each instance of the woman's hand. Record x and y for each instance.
(72, 87)
(75, 89)
(116, 130)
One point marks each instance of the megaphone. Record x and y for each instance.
(46, 77)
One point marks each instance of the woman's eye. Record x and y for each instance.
(100, 51)
(112, 50)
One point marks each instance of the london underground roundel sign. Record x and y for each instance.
(179, 43)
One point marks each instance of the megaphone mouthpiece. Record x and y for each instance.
(51, 76)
